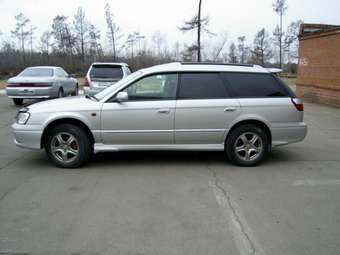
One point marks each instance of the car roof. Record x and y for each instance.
(51, 67)
(109, 63)
(204, 67)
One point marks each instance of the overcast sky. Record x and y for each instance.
(236, 17)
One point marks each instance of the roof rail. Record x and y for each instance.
(212, 63)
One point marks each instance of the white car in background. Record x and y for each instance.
(41, 82)
(103, 75)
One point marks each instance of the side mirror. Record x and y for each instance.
(71, 76)
(122, 97)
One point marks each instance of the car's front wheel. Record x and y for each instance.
(18, 101)
(68, 146)
(247, 145)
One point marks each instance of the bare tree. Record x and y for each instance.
(262, 50)
(232, 53)
(159, 40)
(46, 42)
(31, 35)
(280, 8)
(199, 23)
(241, 48)
(95, 46)
(81, 28)
(113, 29)
(21, 33)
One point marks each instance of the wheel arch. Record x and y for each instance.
(66, 120)
(261, 124)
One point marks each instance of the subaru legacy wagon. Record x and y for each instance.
(243, 110)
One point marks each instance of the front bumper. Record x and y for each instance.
(27, 136)
(30, 92)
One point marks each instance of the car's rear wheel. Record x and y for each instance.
(247, 145)
(76, 92)
(68, 146)
(60, 93)
(18, 101)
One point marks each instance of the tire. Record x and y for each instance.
(247, 145)
(76, 93)
(18, 101)
(65, 152)
(60, 93)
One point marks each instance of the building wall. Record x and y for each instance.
(319, 69)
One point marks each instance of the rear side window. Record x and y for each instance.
(201, 86)
(251, 85)
(106, 72)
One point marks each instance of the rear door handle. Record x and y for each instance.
(230, 109)
(164, 111)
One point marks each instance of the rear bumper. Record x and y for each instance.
(28, 137)
(289, 133)
(30, 92)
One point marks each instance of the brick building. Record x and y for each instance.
(319, 64)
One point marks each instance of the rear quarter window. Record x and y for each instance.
(255, 85)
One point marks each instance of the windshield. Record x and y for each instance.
(115, 86)
(37, 72)
(106, 72)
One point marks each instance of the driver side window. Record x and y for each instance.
(154, 87)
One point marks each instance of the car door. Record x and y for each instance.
(203, 109)
(148, 115)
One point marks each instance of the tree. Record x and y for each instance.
(81, 28)
(159, 41)
(280, 8)
(232, 53)
(65, 40)
(291, 39)
(113, 29)
(21, 33)
(199, 23)
(241, 48)
(45, 42)
(261, 51)
(95, 46)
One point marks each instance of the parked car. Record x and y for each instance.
(243, 110)
(41, 82)
(103, 75)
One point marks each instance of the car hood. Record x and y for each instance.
(68, 104)
(19, 79)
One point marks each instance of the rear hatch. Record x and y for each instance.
(104, 75)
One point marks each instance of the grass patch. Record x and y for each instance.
(2, 84)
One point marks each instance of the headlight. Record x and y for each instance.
(23, 117)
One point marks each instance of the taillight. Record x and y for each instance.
(298, 104)
(86, 82)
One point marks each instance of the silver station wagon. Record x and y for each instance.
(243, 110)
(41, 82)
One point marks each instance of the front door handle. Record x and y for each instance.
(230, 109)
(164, 111)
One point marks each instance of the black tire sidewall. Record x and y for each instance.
(232, 139)
(18, 101)
(85, 146)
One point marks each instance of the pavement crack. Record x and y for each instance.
(227, 196)
(9, 163)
